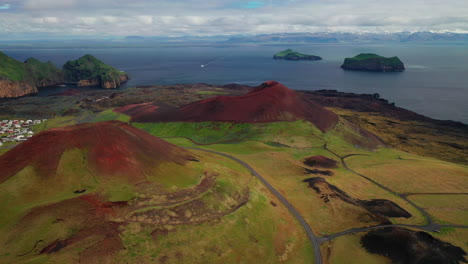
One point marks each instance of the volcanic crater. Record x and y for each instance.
(269, 102)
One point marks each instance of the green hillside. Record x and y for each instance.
(43, 73)
(32, 70)
(11, 68)
(373, 62)
(390, 61)
(289, 54)
(89, 67)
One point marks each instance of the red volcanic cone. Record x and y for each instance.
(268, 102)
(113, 148)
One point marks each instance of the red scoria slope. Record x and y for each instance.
(268, 102)
(137, 110)
(113, 148)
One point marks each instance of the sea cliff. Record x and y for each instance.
(289, 54)
(10, 89)
(373, 62)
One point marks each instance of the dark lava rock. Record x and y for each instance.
(385, 207)
(320, 161)
(373, 62)
(380, 208)
(321, 172)
(411, 247)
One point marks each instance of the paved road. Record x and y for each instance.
(429, 220)
(364, 229)
(408, 194)
(313, 239)
(431, 226)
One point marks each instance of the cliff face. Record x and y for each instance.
(373, 62)
(115, 83)
(92, 82)
(89, 71)
(10, 89)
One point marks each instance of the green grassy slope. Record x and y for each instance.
(88, 67)
(11, 68)
(43, 73)
(289, 54)
(390, 61)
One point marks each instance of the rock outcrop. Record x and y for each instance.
(373, 62)
(89, 71)
(10, 89)
(406, 246)
(289, 54)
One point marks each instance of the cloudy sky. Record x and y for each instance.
(89, 18)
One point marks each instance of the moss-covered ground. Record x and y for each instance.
(262, 228)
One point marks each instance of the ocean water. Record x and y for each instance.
(434, 84)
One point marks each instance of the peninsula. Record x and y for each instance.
(23, 78)
(373, 62)
(18, 79)
(289, 54)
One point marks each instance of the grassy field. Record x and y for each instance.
(407, 173)
(259, 229)
(455, 236)
(446, 209)
(416, 137)
(284, 170)
(295, 134)
(347, 249)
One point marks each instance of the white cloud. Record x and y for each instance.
(48, 4)
(210, 17)
(146, 20)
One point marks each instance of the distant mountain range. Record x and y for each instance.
(319, 37)
(327, 37)
(276, 38)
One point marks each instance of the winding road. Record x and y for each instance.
(313, 239)
(431, 225)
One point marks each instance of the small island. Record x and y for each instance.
(373, 62)
(89, 71)
(289, 54)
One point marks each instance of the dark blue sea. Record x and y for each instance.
(435, 83)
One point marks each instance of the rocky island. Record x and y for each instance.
(89, 71)
(19, 79)
(373, 62)
(289, 54)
